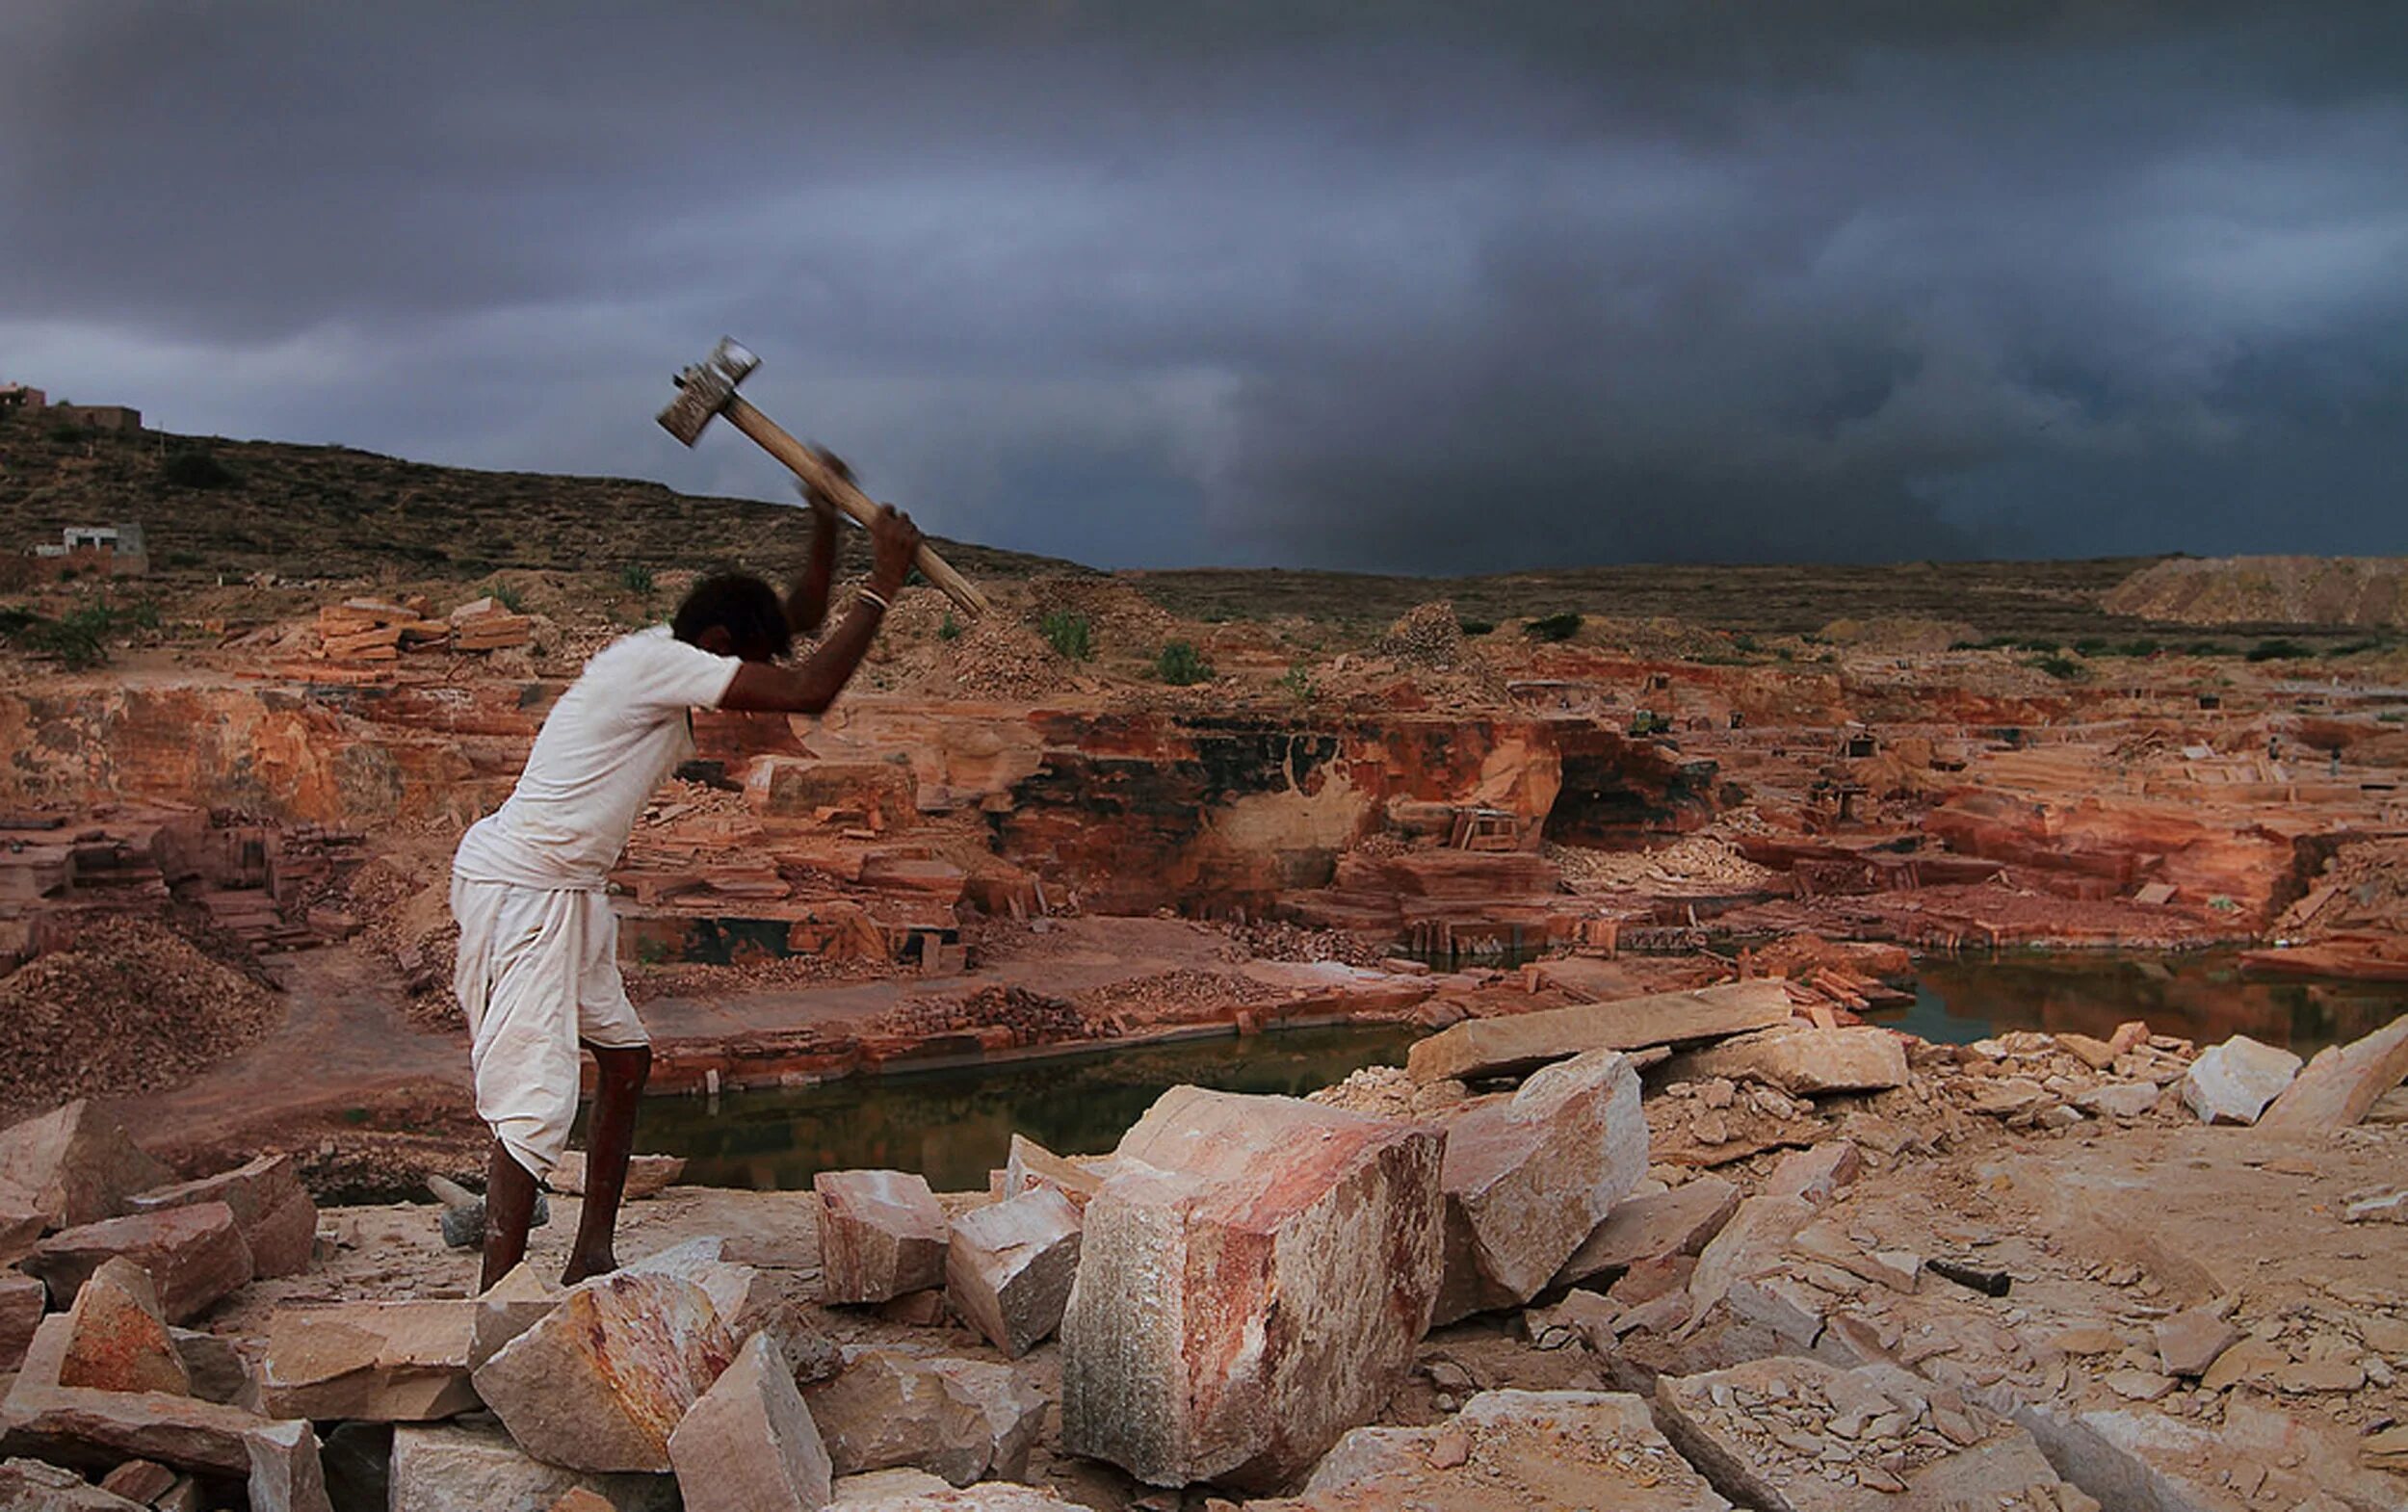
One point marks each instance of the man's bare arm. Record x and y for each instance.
(806, 599)
(812, 685)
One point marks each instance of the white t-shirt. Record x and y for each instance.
(619, 729)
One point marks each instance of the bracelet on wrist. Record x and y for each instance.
(873, 596)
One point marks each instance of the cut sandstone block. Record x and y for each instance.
(276, 1215)
(1529, 1177)
(474, 1467)
(2342, 1083)
(194, 1254)
(1010, 1267)
(1251, 1286)
(508, 1308)
(22, 1301)
(600, 1382)
(959, 1418)
(57, 1421)
(1525, 1041)
(29, 1485)
(2233, 1083)
(749, 1444)
(884, 1236)
(372, 1361)
(1680, 1221)
(117, 1340)
(74, 1166)
(285, 1472)
(1803, 1062)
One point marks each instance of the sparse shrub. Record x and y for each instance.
(1554, 627)
(636, 578)
(1069, 634)
(182, 559)
(1298, 682)
(1476, 627)
(2205, 648)
(196, 468)
(1181, 665)
(948, 628)
(2143, 647)
(2064, 668)
(2352, 648)
(76, 640)
(2091, 646)
(509, 598)
(2276, 651)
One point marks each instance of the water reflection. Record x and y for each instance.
(956, 1125)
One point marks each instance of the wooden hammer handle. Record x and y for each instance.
(817, 475)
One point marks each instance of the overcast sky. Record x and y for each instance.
(1392, 286)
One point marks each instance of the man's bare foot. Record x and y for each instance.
(584, 1268)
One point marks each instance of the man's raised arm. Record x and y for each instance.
(806, 600)
(813, 684)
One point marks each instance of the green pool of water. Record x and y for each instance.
(954, 1126)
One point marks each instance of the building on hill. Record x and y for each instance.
(22, 396)
(122, 418)
(116, 551)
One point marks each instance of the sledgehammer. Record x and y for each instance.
(709, 388)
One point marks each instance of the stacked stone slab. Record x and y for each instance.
(1529, 1178)
(884, 1236)
(374, 1362)
(474, 1467)
(1252, 1283)
(749, 1444)
(274, 1215)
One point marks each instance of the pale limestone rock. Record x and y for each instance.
(600, 1382)
(1250, 1286)
(884, 1234)
(1529, 1178)
(376, 1362)
(194, 1254)
(1009, 1265)
(749, 1444)
(117, 1340)
(2233, 1083)
(959, 1418)
(74, 1166)
(1680, 1221)
(474, 1467)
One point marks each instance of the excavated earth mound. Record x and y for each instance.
(2292, 590)
(130, 1006)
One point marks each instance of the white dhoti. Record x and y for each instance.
(538, 972)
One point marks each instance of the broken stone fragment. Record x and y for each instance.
(183, 1431)
(989, 1497)
(22, 1301)
(193, 1255)
(278, 1219)
(1521, 1042)
(74, 1166)
(508, 1308)
(744, 1297)
(472, 1466)
(1803, 1062)
(117, 1340)
(1561, 1452)
(285, 1472)
(2190, 1341)
(374, 1362)
(1527, 1178)
(1680, 1221)
(219, 1371)
(600, 1382)
(1010, 1267)
(2118, 1099)
(1815, 1176)
(962, 1419)
(2342, 1083)
(647, 1175)
(1031, 1164)
(140, 1480)
(749, 1444)
(1789, 1434)
(2233, 1083)
(884, 1234)
(1251, 1286)
(29, 1485)
(2384, 1207)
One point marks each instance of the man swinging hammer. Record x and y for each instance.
(538, 972)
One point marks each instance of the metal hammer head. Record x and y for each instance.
(704, 389)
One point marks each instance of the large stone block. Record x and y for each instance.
(1803, 1062)
(962, 1419)
(273, 1211)
(117, 1340)
(600, 1382)
(74, 1166)
(1521, 1042)
(2342, 1082)
(23, 1302)
(29, 1485)
(474, 1467)
(1681, 1221)
(1010, 1267)
(285, 1472)
(194, 1254)
(54, 1420)
(749, 1444)
(508, 1308)
(1530, 1452)
(374, 1362)
(2233, 1083)
(1250, 1286)
(884, 1234)
(1528, 1177)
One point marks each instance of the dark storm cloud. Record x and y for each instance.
(1411, 286)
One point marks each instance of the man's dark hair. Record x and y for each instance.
(746, 608)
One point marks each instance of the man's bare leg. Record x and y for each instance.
(610, 1143)
(509, 1208)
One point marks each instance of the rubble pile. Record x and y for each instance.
(129, 1007)
(1428, 635)
(1023, 1017)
